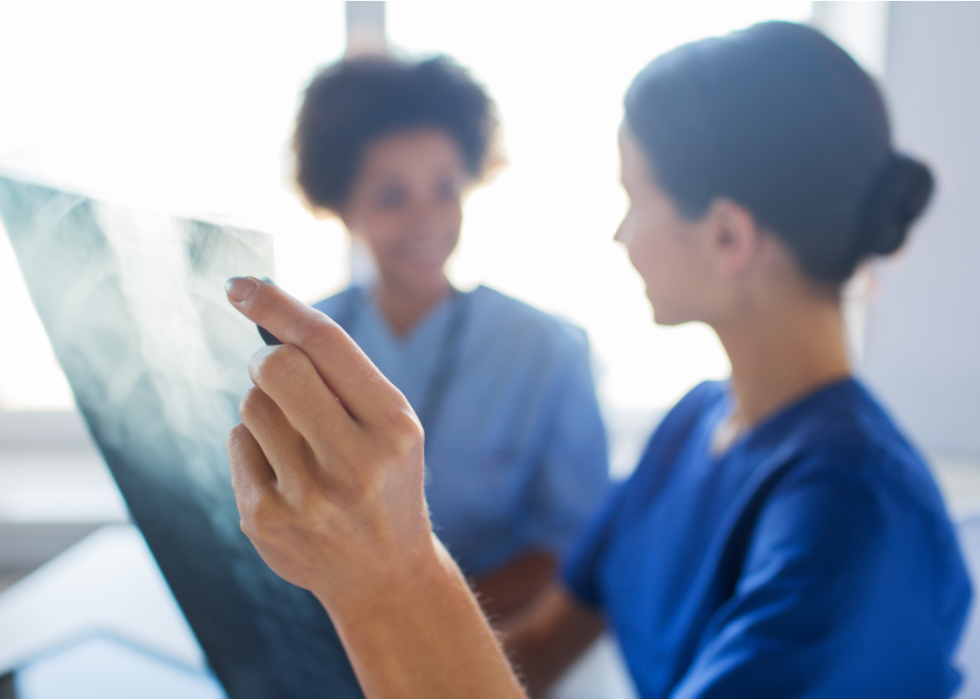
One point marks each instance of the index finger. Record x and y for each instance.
(362, 389)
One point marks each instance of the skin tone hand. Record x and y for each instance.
(327, 468)
(545, 638)
(509, 589)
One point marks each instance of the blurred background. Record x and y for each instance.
(188, 108)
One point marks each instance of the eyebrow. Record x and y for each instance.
(381, 175)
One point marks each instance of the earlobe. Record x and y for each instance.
(726, 237)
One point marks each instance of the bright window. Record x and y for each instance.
(188, 107)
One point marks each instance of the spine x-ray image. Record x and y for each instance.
(134, 306)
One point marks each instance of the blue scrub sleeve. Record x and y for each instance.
(813, 612)
(580, 568)
(572, 474)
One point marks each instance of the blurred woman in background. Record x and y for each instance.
(515, 447)
(780, 536)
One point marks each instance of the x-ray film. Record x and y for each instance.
(134, 306)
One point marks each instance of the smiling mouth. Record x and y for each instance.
(428, 254)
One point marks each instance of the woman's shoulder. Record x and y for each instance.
(688, 410)
(332, 305)
(847, 420)
(673, 431)
(849, 442)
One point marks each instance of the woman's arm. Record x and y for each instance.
(547, 637)
(509, 589)
(327, 468)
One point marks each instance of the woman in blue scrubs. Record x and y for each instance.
(780, 536)
(515, 447)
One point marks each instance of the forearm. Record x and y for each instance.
(425, 637)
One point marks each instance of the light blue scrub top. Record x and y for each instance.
(516, 455)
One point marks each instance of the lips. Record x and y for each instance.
(431, 253)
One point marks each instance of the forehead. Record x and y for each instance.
(418, 149)
(633, 161)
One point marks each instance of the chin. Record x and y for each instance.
(426, 271)
(663, 315)
(420, 276)
(671, 310)
(656, 310)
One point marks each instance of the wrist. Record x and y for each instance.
(423, 635)
(390, 583)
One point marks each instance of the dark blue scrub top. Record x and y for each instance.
(814, 558)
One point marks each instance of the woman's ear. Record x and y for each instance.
(733, 236)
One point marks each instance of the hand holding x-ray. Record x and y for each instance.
(327, 468)
(327, 464)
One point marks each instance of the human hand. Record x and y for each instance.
(327, 465)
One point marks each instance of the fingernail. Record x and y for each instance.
(240, 288)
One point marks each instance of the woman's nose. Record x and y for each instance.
(429, 220)
(625, 230)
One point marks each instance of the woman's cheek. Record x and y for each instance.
(643, 255)
(385, 233)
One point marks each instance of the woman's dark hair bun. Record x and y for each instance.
(898, 196)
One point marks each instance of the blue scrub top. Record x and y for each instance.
(516, 456)
(814, 558)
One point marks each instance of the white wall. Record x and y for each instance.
(922, 352)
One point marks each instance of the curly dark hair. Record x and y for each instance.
(354, 102)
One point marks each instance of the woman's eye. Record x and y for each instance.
(391, 197)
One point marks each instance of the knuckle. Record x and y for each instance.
(235, 438)
(246, 514)
(320, 335)
(277, 364)
(247, 524)
(250, 408)
(257, 517)
(365, 488)
(406, 430)
(251, 529)
(265, 303)
(310, 506)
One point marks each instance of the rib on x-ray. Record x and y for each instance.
(135, 308)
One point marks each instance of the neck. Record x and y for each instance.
(403, 306)
(782, 355)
